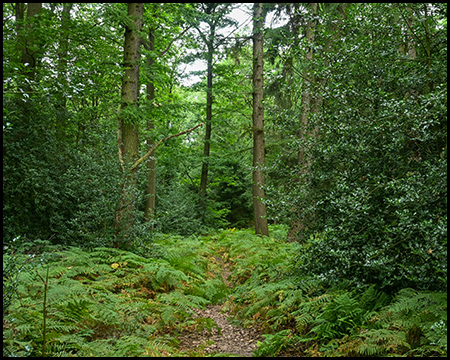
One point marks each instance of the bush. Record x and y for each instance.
(53, 189)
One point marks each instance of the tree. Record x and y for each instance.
(63, 50)
(150, 189)
(377, 182)
(31, 48)
(310, 105)
(261, 225)
(127, 118)
(215, 19)
(209, 98)
(168, 16)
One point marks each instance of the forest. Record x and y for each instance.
(224, 179)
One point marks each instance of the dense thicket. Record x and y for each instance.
(373, 203)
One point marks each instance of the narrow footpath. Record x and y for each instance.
(231, 339)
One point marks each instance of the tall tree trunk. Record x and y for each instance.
(32, 45)
(427, 48)
(128, 129)
(150, 189)
(261, 225)
(62, 69)
(209, 101)
(309, 105)
(19, 12)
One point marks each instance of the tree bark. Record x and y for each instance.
(61, 102)
(307, 100)
(209, 101)
(19, 12)
(31, 50)
(128, 128)
(261, 225)
(309, 105)
(150, 189)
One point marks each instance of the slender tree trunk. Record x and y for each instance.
(63, 47)
(128, 129)
(307, 100)
(309, 105)
(62, 70)
(209, 101)
(32, 44)
(261, 225)
(150, 190)
(19, 9)
(410, 47)
(427, 47)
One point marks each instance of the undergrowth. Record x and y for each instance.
(110, 302)
(301, 317)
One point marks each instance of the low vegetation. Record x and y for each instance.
(108, 302)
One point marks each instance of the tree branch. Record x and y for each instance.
(152, 150)
(147, 45)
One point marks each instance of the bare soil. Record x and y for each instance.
(231, 339)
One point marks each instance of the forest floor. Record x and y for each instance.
(226, 338)
(231, 339)
(225, 294)
(191, 297)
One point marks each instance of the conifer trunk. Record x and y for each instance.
(209, 101)
(150, 190)
(261, 225)
(30, 43)
(310, 105)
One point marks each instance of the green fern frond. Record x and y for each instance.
(183, 301)
(419, 314)
(425, 303)
(382, 342)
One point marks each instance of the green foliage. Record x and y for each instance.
(376, 187)
(423, 317)
(11, 270)
(414, 324)
(299, 312)
(274, 344)
(230, 191)
(179, 212)
(261, 275)
(109, 301)
(71, 198)
(370, 192)
(114, 302)
(346, 313)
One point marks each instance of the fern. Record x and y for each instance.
(382, 342)
(110, 302)
(414, 324)
(338, 318)
(274, 344)
(423, 317)
(106, 294)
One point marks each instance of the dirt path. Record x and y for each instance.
(231, 339)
